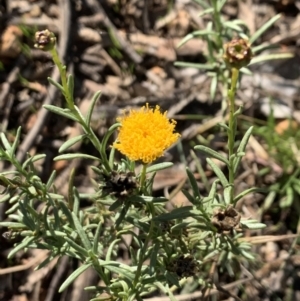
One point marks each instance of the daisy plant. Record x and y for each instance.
(165, 247)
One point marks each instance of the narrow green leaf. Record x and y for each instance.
(203, 4)
(172, 279)
(72, 191)
(238, 112)
(56, 84)
(194, 184)
(80, 250)
(213, 189)
(115, 205)
(263, 28)
(111, 158)
(75, 156)
(51, 180)
(159, 166)
(5, 142)
(211, 254)
(27, 219)
(91, 107)
(24, 244)
(5, 198)
(73, 276)
(188, 196)
(13, 208)
(246, 71)
(206, 11)
(247, 255)
(16, 142)
(194, 65)
(147, 199)
(262, 47)
(227, 195)
(247, 191)
(6, 173)
(81, 118)
(194, 34)
(167, 290)
(71, 142)
(224, 126)
(56, 196)
(212, 153)
(107, 135)
(182, 212)
(241, 149)
(213, 86)
(287, 200)
(33, 159)
(84, 238)
(270, 57)
(218, 172)
(153, 259)
(96, 238)
(17, 217)
(46, 261)
(111, 249)
(116, 267)
(62, 112)
(269, 200)
(252, 224)
(233, 26)
(66, 212)
(220, 4)
(13, 225)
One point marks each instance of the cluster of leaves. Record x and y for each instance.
(169, 240)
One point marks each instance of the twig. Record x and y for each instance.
(62, 267)
(42, 256)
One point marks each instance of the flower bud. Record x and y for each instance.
(237, 53)
(45, 40)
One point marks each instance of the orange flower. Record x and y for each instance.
(145, 134)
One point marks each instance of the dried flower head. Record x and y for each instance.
(120, 185)
(184, 266)
(237, 53)
(226, 220)
(44, 40)
(145, 134)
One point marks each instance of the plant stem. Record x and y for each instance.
(63, 77)
(232, 127)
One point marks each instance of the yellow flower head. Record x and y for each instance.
(145, 134)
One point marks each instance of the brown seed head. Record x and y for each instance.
(183, 266)
(237, 53)
(121, 185)
(45, 40)
(226, 220)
